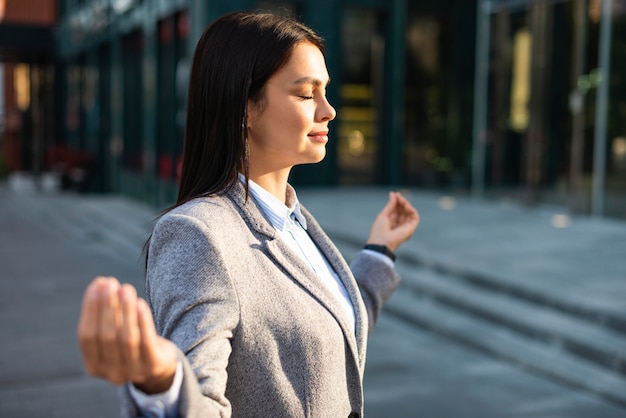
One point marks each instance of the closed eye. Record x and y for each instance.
(314, 83)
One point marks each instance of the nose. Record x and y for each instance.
(326, 112)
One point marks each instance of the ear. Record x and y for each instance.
(251, 112)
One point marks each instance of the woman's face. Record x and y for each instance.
(289, 125)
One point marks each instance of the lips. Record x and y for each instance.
(321, 136)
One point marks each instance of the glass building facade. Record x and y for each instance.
(550, 103)
(492, 98)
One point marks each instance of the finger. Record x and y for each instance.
(151, 341)
(408, 211)
(147, 330)
(412, 214)
(407, 219)
(110, 330)
(402, 201)
(130, 337)
(87, 331)
(159, 354)
(150, 344)
(399, 209)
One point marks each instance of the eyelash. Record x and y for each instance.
(307, 97)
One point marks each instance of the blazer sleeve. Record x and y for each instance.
(377, 281)
(194, 305)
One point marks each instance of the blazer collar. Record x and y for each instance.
(249, 210)
(276, 212)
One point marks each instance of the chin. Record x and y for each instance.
(320, 156)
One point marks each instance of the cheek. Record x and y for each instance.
(293, 115)
(283, 121)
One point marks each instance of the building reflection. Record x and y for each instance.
(106, 96)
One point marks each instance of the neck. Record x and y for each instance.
(274, 182)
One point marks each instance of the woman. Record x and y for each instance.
(256, 312)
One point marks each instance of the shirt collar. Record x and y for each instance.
(277, 212)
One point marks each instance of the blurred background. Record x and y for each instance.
(514, 99)
(502, 121)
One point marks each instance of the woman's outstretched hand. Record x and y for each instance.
(395, 223)
(118, 339)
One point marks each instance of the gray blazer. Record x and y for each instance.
(259, 335)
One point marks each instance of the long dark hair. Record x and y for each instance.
(233, 60)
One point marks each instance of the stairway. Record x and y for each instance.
(543, 334)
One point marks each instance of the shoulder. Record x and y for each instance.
(202, 206)
(202, 216)
(206, 210)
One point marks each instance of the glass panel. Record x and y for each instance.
(361, 81)
(425, 154)
(510, 96)
(530, 123)
(439, 94)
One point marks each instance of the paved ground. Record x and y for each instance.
(52, 245)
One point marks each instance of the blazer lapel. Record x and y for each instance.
(296, 268)
(342, 269)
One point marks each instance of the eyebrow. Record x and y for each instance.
(310, 80)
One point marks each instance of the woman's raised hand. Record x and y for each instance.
(118, 339)
(395, 223)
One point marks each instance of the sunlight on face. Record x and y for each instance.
(290, 125)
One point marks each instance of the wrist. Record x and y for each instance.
(380, 248)
(157, 384)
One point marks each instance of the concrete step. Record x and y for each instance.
(547, 360)
(611, 319)
(572, 334)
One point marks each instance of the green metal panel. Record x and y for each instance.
(104, 126)
(149, 116)
(133, 102)
(166, 99)
(72, 122)
(90, 112)
(60, 99)
(117, 115)
(391, 156)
